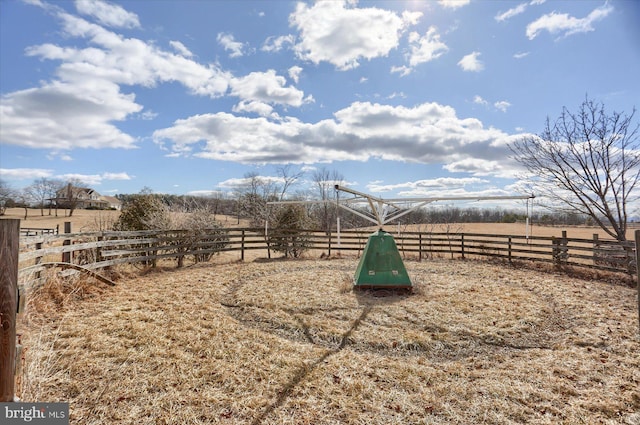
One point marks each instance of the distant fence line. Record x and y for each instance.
(35, 231)
(99, 250)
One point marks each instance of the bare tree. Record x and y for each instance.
(25, 199)
(253, 196)
(289, 178)
(586, 162)
(43, 190)
(6, 196)
(325, 181)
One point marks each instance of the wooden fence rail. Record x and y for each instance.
(98, 250)
(35, 231)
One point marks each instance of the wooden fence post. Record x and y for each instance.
(637, 234)
(420, 246)
(66, 256)
(99, 239)
(242, 247)
(38, 260)
(9, 247)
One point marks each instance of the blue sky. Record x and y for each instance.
(403, 98)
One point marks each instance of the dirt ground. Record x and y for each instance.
(290, 342)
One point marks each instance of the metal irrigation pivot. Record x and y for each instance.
(384, 211)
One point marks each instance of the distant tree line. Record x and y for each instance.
(250, 202)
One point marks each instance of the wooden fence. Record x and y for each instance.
(35, 231)
(98, 250)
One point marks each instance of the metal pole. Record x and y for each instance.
(338, 217)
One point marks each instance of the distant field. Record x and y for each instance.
(90, 220)
(82, 220)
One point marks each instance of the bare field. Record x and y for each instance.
(289, 342)
(82, 220)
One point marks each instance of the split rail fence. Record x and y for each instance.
(100, 250)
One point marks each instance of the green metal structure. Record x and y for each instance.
(381, 266)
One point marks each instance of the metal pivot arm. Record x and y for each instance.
(399, 205)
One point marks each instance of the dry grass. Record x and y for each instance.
(277, 342)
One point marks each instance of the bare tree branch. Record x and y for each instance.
(588, 162)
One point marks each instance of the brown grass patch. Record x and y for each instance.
(288, 342)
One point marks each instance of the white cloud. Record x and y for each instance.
(514, 11)
(521, 55)
(426, 186)
(426, 48)
(59, 156)
(294, 73)
(517, 10)
(402, 70)
(79, 108)
(426, 133)
(267, 87)
(275, 44)
(479, 100)
(260, 108)
(181, 49)
(502, 105)
(127, 61)
(562, 23)
(471, 62)
(333, 32)
(24, 173)
(108, 14)
(394, 95)
(116, 176)
(505, 167)
(229, 43)
(93, 179)
(453, 4)
(148, 115)
(64, 116)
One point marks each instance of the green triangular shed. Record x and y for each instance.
(381, 265)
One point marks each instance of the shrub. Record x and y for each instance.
(288, 235)
(202, 236)
(143, 212)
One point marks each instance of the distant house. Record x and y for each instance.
(84, 197)
(114, 203)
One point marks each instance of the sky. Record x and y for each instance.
(401, 98)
